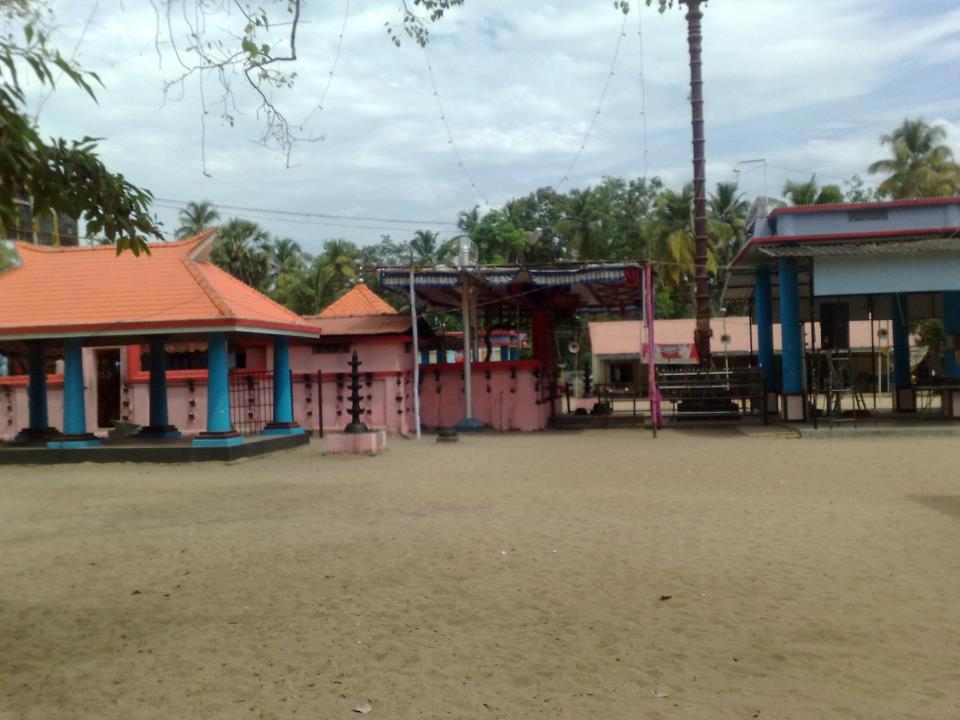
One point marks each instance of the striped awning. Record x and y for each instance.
(598, 287)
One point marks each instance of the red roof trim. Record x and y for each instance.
(186, 325)
(843, 207)
(878, 234)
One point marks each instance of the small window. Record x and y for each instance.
(868, 214)
(331, 348)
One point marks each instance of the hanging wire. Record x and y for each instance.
(643, 93)
(333, 67)
(643, 115)
(603, 96)
(446, 125)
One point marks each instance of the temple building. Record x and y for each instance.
(89, 334)
(831, 265)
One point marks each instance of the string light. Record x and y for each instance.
(446, 125)
(333, 67)
(603, 96)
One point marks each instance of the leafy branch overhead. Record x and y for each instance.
(60, 175)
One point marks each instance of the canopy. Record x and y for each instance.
(582, 287)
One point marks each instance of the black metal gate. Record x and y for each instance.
(251, 400)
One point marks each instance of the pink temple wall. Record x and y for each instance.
(502, 401)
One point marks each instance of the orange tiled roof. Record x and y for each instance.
(360, 301)
(395, 324)
(55, 291)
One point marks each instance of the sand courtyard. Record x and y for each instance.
(598, 574)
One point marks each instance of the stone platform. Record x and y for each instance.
(179, 450)
(366, 443)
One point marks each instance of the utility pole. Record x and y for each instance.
(701, 335)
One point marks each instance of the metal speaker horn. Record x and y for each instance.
(573, 347)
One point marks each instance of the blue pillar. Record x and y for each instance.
(283, 423)
(160, 426)
(764, 317)
(904, 399)
(901, 340)
(791, 387)
(951, 329)
(37, 389)
(792, 340)
(75, 433)
(39, 427)
(219, 431)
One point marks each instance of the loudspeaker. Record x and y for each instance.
(835, 326)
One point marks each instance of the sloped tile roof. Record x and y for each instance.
(360, 301)
(364, 325)
(57, 291)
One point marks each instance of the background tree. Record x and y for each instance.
(243, 249)
(810, 193)
(429, 250)
(196, 217)
(582, 226)
(61, 176)
(921, 164)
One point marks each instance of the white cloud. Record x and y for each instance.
(807, 84)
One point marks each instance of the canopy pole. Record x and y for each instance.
(468, 423)
(652, 392)
(416, 355)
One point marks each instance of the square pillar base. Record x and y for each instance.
(793, 407)
(29, 436)
(773, 403)
(68, 442)
(366, 443)
(158, 432)
(951, 404)
(217, 439)
(904, 400)
(282, 429)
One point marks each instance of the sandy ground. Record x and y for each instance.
(583, 575)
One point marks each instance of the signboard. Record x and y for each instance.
(676, 354)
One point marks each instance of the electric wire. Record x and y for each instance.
(446, 125)
(322, 216)
(333, 67)
(603, 96)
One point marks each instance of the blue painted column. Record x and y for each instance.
(901, 340)
(75, 433)
(904, 399)
(39, 427)
(283, 423)
(37, 389)
(764, 316)
(951, 327)
(160, 426)
(219, 431)
(791, 341)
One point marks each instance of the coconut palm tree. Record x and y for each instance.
(195, 218)
(674, 247)
(810, 193)
(243, 250)
(581, 226)
(921, 164)
(428, 250)
(728, 221)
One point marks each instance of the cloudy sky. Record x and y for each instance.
(806, 85)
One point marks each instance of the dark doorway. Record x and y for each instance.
(108, 387)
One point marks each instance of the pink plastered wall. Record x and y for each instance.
(386, 376)
(506, 395)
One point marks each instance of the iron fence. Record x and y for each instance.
(251, 400)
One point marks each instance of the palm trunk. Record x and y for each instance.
(701, 336)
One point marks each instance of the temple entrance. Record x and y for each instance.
(108, 387)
